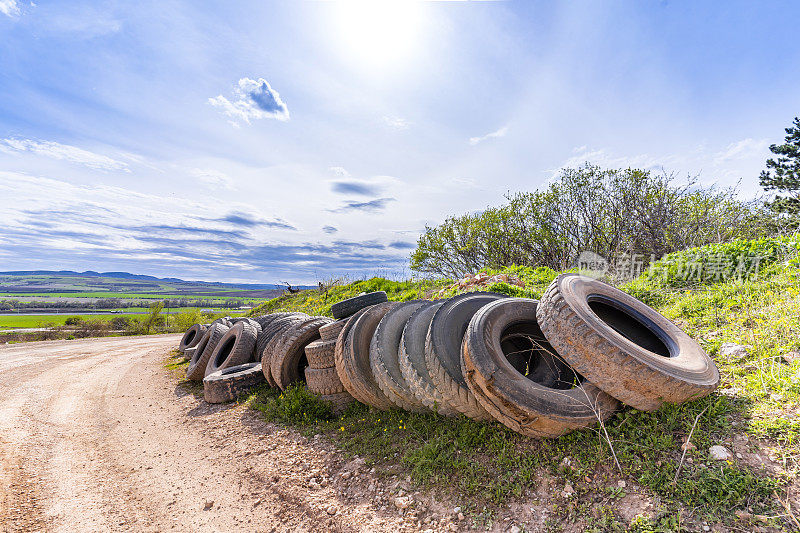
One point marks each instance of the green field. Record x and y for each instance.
(45, 321)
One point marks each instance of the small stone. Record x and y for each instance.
(403, 502)
(706, 528)
(460, 516)
(456, 510)
(276, 478)
(514, 529)
(738, 455)
(568, 490)
(566, 462)
(331, 510)
(323, 483)
(621, 483)
(346, 475)
(208, 505)
(720, 453)
(739, 351)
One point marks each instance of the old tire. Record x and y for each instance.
(188, 353)
(623, 346)
(323, 381)
(443, 350)
(227, 384)
(197, 367)
(528, 388)
(338, 401)
(330, 332)
(321, 353)
(192, 337)
(275, 327)
(384, 354)
(411, 358)
(352, 361)
(289, 358)
(348, 307)
(236, 347)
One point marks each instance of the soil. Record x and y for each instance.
(96, 436)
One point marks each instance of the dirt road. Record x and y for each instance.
(96, 436)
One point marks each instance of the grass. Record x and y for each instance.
(484, 466)
(50, 320)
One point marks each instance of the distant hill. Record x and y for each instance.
(71, 282)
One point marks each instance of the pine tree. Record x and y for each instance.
(783, 175)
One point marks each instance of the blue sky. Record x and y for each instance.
(263, 141)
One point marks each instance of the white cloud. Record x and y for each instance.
(62, 152)
(341, 172)
(253, 99)
(744, 149)
(213, 178)
(494, 135)
(397, 123)
(9, 7)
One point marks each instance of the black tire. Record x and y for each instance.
(227, 384)
(277, 329)
(411, 358)
(236, 347)
(192, 337)
(289, 358)
(348, 307)
(354, 361)
(623, 346)
(383, 356)
(321, 354)
(269, 331)
(225, 321)
(519, 378)
(330, 332)
(443, 350)
(341, 342)
(197, 367)
(323, 381)
(338, 401)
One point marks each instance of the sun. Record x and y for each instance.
(379, 33)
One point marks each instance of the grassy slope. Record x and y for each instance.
(486, 466)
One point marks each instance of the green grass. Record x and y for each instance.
(484, 465)
(51, 320)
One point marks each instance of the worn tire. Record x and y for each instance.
(623, 346)
(227, 384)
(341, 341)
(188, 353)
(323, 381)
(384, 355)
(411, 358)
(235, 348)
(225, 321)
(338, 401)
(197, 367)
(275, 327)
(354, 362)
(443, 350)
(528, 388)
(321, 354)
(348, 307)
(330, 332)
(289, 358)
(192, 337)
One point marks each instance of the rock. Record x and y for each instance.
(460, 516)
(346, 475)
(566, 462)
(720, 453)
(456, 510)
(731, 349)
(331, 510)
(403, 502)
(730, 392)
(568, 490)
(790, 357)
(738, 455)
(323, 483)
(514, 529)
(208, 505)
(621, 483)
(706, 528)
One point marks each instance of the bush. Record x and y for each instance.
(73, 321)
(608, 212)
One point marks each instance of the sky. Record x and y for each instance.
(306, 141)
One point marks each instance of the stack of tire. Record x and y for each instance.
(542, 368)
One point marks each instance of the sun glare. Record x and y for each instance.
(378, 33)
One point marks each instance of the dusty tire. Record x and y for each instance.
(225, 321)
(348, 307)
(443, 350)
(268, 332)
(235, 348)
(338, 354)
(197, 367)
(289, 358)
(338, 401)
(276, 331)
(528, 388)
(411, 358)
(623, 346)
(227, 384)
(354, 360)
(323, 381)
(321, 354)
(330, 332)
(384, 355)
(192, 337)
